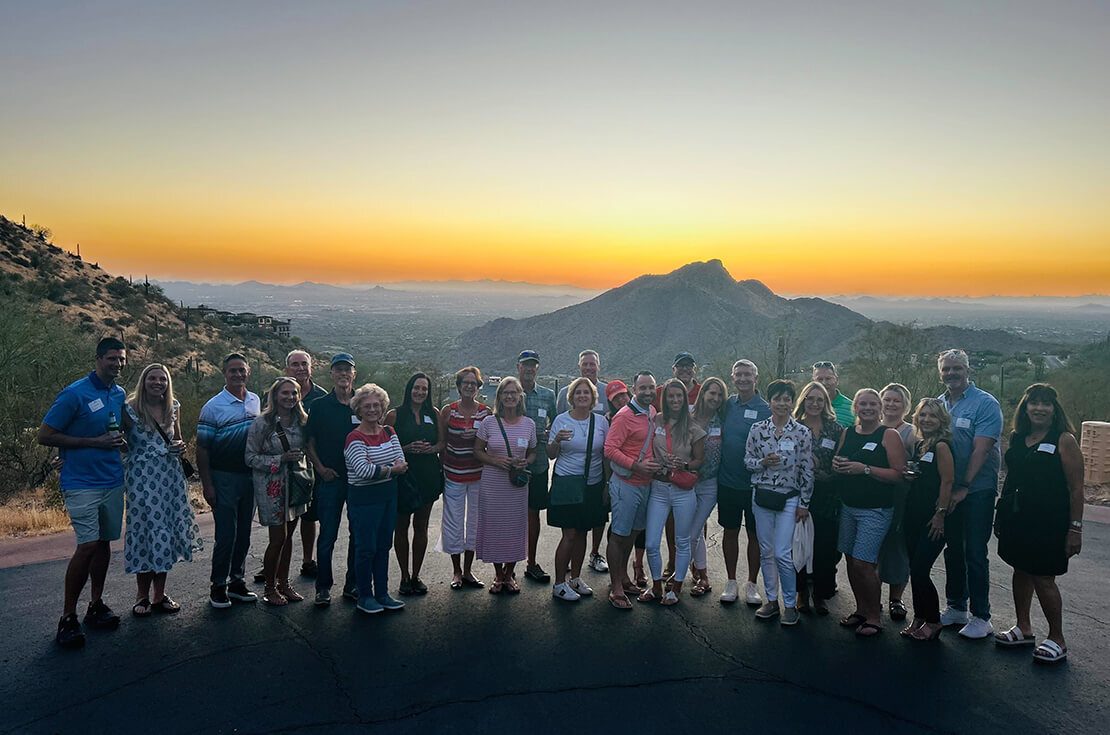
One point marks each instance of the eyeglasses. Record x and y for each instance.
(472, 383)
(824, 364)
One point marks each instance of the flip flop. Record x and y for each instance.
(456, 584)
(166, 605)
(853, 621)
(142, 608)
(619, 601)
(868, 630)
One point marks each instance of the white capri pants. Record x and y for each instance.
(775, 529)
(459, 528)
(706, 493)
(666, 498)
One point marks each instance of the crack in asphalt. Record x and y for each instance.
(168, 667)
(326, 659)
(703, 638)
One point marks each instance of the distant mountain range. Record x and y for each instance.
(702, 309)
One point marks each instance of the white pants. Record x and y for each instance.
(706, 493)
(665, 499)
(460, 517)
(775, 529)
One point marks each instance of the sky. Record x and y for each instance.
(891, 148)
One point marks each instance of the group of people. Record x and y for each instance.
(809, 473)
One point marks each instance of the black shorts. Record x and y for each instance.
(539, 494)
(732, 503)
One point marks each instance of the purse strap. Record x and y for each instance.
(505, 437)
(161, 433)
(650, 433)
(589, 447)
(281, 435)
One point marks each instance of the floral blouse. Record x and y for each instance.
(793, 475)
(824, 448)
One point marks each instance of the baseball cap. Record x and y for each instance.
(682, 357)
(342, 357)
(527, 355)
(614, 388)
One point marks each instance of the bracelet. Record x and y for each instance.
(941, 510)
(1075, 530)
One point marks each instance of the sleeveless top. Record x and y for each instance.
(925, 490)
(863, 491)
(424, 468)
(712, 461)
(459, 462)
(1035, 481)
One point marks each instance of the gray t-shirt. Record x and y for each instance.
(572, 453)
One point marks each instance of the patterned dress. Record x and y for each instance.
(161, 529)
(502, 507)
(270, 474)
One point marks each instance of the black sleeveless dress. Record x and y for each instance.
(921, 501)
(864, 491)
(1035, 507)
(424, 469)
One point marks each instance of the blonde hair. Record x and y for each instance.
(501, 389)
(574, 386)
(799, 406)
(904, 392)
(860, 392)
(699, 404)
(269, 411)
(138, 401)
(364, 394)
(944, 433)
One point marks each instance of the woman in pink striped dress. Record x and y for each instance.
(505, 441)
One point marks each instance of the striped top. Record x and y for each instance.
(368, 456)
(222, 430)
(459, 463)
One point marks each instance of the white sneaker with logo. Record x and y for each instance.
(562, 591)
(579, 585)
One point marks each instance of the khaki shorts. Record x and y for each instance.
(97, 514)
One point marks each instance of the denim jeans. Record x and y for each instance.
(331, 495)
(666, 498)
(706, 493)
(775, 529)
(968, 529)
(232, 514)
(372, 515)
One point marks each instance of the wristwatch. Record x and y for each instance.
(1077, 525)
(867, 469)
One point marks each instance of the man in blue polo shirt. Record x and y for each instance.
(976, 431)
(85, 424)
(734, 482)
(226, 479)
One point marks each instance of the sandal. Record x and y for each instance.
(641, 579)
(912, 628)
(868, 630)
(630, 589)
(646, 596)
(1050, 652)
(931, 635)
(1014, 638)
(456, 584)
(271, 596)
(496, 587)
(166, 605)
(897, 610)
(853, 621)
(697, 590)
(141, 608)
(669, 599)
(473, 581)
(619, 601)
(512, 587)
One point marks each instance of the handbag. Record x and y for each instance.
(187, 467)
(518, 476)
(301, 477)
(571, 489)
(683, 479)
(770, 500)
(621, 471)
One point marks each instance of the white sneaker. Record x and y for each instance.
(598, 563)
(751, 594)
(977, 628)
(731, 592)
(562, 591)
(578, 585)
(952, 616)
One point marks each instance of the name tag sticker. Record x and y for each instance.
(750, 413)
(477, 423)
(355, 421)
(927, 457)
(96, 405)
(870, 447)
(963, 423)
(1047, 448)
(660, 431)
(828, 444)
(428, 420)
(786, 445)
(521, 442)
(542, 413)
(715, 431)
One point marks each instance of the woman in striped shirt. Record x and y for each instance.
(374, 459)
(462, 473)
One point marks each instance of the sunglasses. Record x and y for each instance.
(822, 365)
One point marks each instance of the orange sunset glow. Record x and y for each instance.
(449, 141)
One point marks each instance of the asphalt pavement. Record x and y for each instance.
(467, 661)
